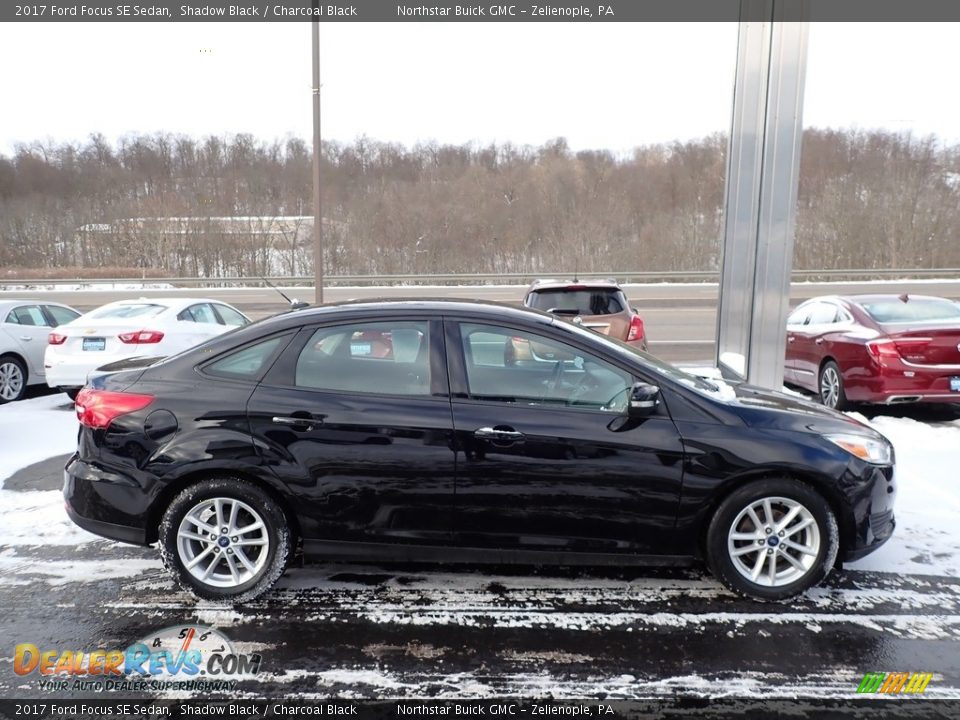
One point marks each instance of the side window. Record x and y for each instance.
(201, 313)
(29, 315)
(519, 367)
(822, 314)
(799, 316)
(186, 315)
(230, 317)
(245, 364)
(391, 358)
(61, 315)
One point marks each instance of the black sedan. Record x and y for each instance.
(409, 430)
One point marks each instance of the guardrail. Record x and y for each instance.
(640, 276)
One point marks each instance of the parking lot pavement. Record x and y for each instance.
(416, 631)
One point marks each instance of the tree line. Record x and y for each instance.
(172, 205)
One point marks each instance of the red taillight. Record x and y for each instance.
(141, 337)
(912, 346)
(56, 339)
(636, 329)
(882, 350)
(98, 408)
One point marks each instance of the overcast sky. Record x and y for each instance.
(612, 86)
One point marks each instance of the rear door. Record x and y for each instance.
(29, 329)
(355, 420)
(548, 459)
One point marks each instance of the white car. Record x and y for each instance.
(147, 327)
(24, 327)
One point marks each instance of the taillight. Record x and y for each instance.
(882, 350)
(912, 346)
(98, 408)
(636, 329)
(56, 339)
(141, 337)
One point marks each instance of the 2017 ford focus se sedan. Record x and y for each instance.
(408, 430)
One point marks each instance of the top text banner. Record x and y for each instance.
(397, 11)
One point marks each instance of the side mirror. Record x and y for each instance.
(644, 399)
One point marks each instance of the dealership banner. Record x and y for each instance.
(445, 11)
(109, 708)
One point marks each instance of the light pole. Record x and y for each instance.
(317, 219)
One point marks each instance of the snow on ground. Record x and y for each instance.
(31, 431)
(926, 541)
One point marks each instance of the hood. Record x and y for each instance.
(757, 405)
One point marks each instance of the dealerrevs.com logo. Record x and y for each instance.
(180, 657)
(894, 683)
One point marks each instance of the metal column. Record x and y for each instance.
(763, 165)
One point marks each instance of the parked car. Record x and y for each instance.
(293, 430)
(24, 326)
(146, 327)
(875, 349)
(598, 305)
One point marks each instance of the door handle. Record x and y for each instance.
(819, 341)
(26, 338)
(499, 434)
(299, 423)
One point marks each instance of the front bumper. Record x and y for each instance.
(871, 501)
(105, 503)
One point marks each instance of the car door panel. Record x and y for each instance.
(28, 328)
(535, 477)
(364, 466)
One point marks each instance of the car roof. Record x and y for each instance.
(553, 284)
(171, 302)
(7, 304)
(872, 298)
(485, 309)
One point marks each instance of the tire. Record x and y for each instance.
(13, 379)
(830, 387)
(820, 537)
(72, 392)
(266, 550)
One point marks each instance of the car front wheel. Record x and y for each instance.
(772, 539)
(225, 539)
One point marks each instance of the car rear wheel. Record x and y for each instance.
(831, 387)
(72, 392)
(13, 379)
(772, 539)
(225, 539)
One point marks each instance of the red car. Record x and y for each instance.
(875, 349)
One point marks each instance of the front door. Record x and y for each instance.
(355, 420)
(547, 459)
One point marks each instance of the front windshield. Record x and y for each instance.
(649, 361)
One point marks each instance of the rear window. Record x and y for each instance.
(897, 311)
(136, 310)
(590, 301)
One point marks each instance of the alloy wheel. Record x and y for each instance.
(830, 387)
(11, 380)
(774, 541)
(223, 542)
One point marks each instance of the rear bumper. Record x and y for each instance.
(901, 382)
(104, 502)
(66, 371)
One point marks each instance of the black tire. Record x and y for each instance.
(837, 401)
(276, 531)
(721, 524)
(12, 370)
(72, 392)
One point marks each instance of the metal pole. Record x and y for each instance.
(317, 216)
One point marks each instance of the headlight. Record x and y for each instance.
(870, 449)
